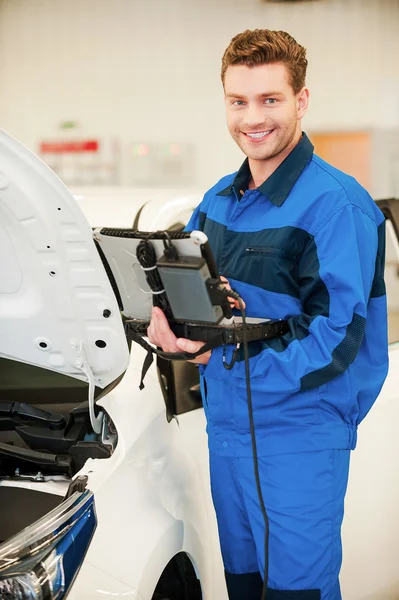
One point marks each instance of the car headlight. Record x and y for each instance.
(42, 561)
(20, 588)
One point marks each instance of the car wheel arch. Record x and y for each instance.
(179, 576)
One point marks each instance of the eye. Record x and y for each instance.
(270, 101)
(238, 103)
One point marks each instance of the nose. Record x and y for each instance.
(254, 116)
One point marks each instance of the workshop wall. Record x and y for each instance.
(148, 70)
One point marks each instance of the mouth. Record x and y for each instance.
(258, 135)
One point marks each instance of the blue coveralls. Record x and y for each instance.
(308, 245)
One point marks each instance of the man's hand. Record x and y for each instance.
(160, 334)
(233, 303)
(191, 346)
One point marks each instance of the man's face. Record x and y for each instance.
(263, 113)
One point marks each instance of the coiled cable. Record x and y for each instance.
(148, 261)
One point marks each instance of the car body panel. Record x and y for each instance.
(147, 209)
(152, 496)
(54, 289)
(102, 585)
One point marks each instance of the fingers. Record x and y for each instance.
(237, 304)
(233, 303)
(191, 346)
(225, 282)
(159, 332)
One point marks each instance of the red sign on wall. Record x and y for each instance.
(69, 147)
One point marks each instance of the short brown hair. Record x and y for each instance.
(263, 46)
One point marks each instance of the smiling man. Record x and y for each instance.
(274, 106)
(298, 240)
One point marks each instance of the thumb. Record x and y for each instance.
(188, 345)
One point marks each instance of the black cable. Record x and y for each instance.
(146, 256)
(237, 297)
(147, 259)
(254, 450)
(230, 365)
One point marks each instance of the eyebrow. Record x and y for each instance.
(265, 95)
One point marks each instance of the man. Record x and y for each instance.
(302, 241)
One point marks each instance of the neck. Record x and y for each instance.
(262, 169)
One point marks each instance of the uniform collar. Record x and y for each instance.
(277, 187)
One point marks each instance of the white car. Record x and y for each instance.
(104, 488)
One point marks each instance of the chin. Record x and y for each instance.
(261, 154)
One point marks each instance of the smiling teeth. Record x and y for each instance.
(259, 135)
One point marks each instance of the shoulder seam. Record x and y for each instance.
(333, 176)
(353, 206)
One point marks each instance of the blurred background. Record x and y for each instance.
(128, 92)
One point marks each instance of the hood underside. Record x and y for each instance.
(57, 308)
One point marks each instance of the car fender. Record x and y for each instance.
(145, 534)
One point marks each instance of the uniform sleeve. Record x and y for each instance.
(337, 274)
(196, 221)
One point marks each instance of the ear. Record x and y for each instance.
(302, 99)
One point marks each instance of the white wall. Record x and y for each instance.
(148, 70)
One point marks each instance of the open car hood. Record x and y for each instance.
(57, 308)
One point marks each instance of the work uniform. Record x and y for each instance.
(307, 245)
